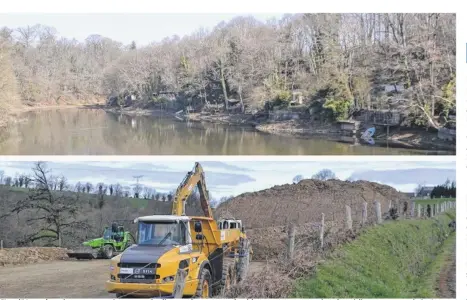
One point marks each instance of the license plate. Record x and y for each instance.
(126, 270)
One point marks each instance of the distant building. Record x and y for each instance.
(410, 195)
(425, 192)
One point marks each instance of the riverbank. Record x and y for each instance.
(132, 111)
(13, 115)
(408, 138)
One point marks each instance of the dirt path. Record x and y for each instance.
(447, 278)
(59, 279)
(62, 279)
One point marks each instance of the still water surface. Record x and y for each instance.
(96, 132)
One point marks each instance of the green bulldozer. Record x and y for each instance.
(114, 241)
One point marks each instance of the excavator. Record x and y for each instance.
(213, 255)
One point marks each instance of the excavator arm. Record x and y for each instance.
(184, 190)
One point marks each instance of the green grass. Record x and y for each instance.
(393, 260)
(429, 282)
(433, 201)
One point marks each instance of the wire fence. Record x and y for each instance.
(355, 219)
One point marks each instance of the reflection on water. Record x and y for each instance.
(95, 132)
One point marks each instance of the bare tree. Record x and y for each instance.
(297, 178)
(54, 212)
(324, 174)
(88, 187)
(62, 183)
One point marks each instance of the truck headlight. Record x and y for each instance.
(168, 279)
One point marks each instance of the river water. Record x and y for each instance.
(96, 132)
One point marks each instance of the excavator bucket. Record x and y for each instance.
(83, 253)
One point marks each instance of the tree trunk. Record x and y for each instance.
(224, 87)
(241, 98)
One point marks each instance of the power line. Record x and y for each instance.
(137, 177)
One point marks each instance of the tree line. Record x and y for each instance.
(60, 183)
(340, 63)
(446, 190)
(50, 214)
(324, 174)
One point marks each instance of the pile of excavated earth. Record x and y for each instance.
(29, 255)
(266, 213)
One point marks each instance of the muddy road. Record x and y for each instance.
(61, 279)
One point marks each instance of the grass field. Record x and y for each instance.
(135, 202)
(399, 259)
(434, 201)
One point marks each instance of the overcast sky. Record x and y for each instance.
(234, 178)
(125, 28)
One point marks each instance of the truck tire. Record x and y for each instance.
(108, 251)
(229, 276)
(204, 289)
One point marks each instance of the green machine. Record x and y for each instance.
(113, 242)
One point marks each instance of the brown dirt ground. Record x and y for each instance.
(57, 279)
(447, 278)
(62, 279)
(306, 201)
(16, 256)
(265, 213)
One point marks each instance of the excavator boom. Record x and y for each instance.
(184, 190)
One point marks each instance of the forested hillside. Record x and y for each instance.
(338, 62)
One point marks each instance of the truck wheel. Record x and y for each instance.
(228, 276)
(108, 251)
(204, 289)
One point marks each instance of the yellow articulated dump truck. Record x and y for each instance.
(212, 254)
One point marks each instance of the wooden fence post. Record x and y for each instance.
(291, 241)
(1, 245)
(348, 217)
(379, 218)
(419, 210)
(364, 212)
(179, 284)
(321, 231)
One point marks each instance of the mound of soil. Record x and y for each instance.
(305, 202)
(30, 255)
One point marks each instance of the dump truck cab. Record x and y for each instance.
(164, 245)
(229, 224)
